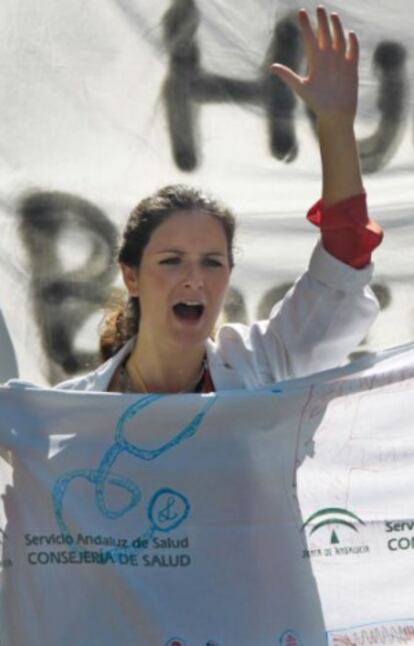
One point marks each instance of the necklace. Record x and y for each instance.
(127, 385)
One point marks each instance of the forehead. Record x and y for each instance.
(189, 229)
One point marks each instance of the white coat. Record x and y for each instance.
(318, 323)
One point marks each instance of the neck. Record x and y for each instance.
(165, 370)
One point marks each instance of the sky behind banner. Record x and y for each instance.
(104, 102)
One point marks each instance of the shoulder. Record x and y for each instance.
(85, 382)
(20, 384)
(245, 356)
(98, 380)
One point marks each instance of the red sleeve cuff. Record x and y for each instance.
(347, 232)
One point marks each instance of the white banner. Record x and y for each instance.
(278, 516)
(105, 101)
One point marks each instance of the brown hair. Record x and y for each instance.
(121, 321)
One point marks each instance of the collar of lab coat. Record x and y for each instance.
(223, 376)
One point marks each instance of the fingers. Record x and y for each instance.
(324, 32)
(309, 36)
(327, 42)
(353, 51)
(339, 40)
(329, 34)
(287, 75)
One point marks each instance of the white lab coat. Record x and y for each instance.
(317, 324)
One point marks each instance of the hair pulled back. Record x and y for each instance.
(121, 321)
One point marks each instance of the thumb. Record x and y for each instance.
(288, 76)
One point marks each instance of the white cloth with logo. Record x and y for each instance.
(85, 135)
(242, 517)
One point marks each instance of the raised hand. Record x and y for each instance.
(330, 88)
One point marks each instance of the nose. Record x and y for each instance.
(194, 276)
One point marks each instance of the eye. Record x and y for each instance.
(213, 262)
(171, 260)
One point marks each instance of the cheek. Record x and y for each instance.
(156, 281)
(220, 289)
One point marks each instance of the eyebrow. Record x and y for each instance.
(182, 253)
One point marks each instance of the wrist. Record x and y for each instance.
(336, 122)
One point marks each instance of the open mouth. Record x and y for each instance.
(189, 311)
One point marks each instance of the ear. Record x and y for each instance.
(130, 276)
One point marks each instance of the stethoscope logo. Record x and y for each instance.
(167, 509)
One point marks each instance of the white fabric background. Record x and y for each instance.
(83, 113)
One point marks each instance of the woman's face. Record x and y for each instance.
(182, 278)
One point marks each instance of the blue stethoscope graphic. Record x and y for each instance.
(167, 508)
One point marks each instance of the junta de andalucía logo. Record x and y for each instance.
(334, 517)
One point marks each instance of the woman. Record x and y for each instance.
(176, 259)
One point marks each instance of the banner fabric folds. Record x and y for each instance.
(276, 516)
(105, 101)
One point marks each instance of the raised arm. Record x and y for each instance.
(330, 308)
(330, 89)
